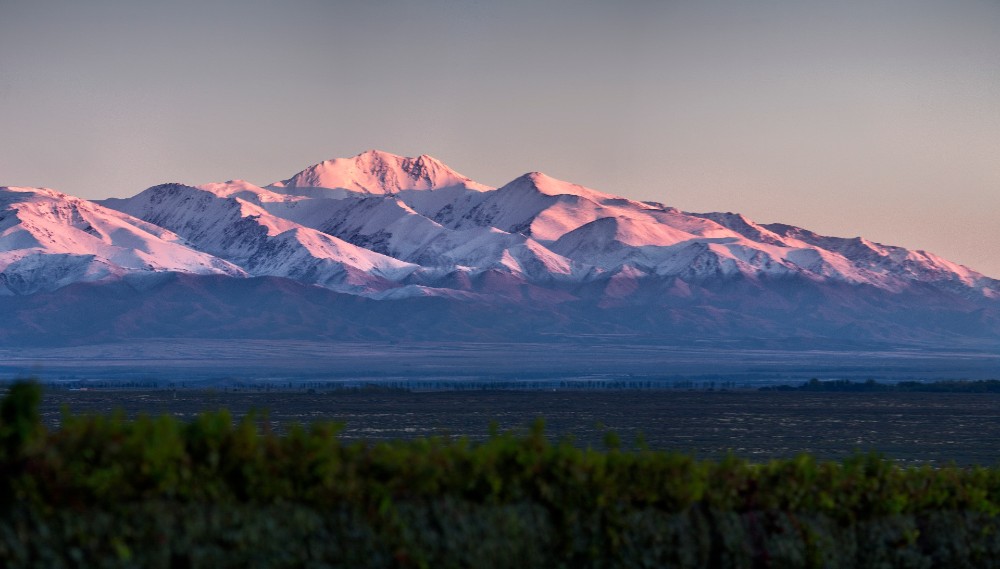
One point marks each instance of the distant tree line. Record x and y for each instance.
(399, 385)
(948, 386)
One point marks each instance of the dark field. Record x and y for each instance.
(908, 427)
(748, 363)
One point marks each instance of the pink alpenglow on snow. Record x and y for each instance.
(378, 222)
(384, 246)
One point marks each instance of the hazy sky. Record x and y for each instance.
(873, 118)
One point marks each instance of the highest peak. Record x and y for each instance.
(375, 155)
(379, 172)
(372, 157)
(421, 167)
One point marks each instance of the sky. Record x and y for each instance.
(878, 118)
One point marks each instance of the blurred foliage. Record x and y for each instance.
(151, 492)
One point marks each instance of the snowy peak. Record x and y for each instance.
(376, 172)
(544, 184)
(543, 207)
(49, 240)
(391, 228)
(386, 226)
(261, 243)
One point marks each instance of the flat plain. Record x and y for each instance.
(913, 428)
(758, 362)
(242, 375)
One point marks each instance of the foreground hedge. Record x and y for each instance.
(156, 492)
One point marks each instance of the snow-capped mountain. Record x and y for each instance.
(49, 240)
(391, 228)
(261, 243)
(375, 173)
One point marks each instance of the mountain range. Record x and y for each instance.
(390, 247)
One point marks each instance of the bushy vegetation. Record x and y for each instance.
(157, 492)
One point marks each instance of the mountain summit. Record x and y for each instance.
(377, 173)
(382, 245)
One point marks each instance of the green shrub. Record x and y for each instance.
(157, 492)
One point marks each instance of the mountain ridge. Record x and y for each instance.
(389, 228)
